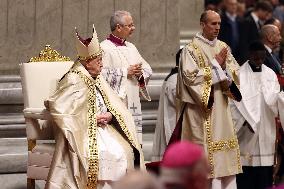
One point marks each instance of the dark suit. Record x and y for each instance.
(249, 32)
(272, 63)
(226, 34)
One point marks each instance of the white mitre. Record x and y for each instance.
(88, 48)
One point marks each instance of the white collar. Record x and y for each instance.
(268, 49)
(231, 17)
(256, 19)
(211, 43)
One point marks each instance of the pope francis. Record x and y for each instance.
(96, 140)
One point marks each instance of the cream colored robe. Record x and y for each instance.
(212, 128)
(73, 109)
(116, 60)
(166, 119)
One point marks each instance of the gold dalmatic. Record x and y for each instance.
(204, 124)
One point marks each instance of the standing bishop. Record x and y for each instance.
(96, 140)
(124, 68)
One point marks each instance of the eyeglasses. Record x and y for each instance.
(129, 25)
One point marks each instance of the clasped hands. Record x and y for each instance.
(134, 70)
(221, 57)
(103, 119)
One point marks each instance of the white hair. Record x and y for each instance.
(118, 18)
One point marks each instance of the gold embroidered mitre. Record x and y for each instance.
(88, 48)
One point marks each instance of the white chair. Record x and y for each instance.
(39, 78)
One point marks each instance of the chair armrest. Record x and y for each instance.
(38, 124)
(37, 113)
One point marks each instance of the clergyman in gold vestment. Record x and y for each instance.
(206, 79)
(96, 140)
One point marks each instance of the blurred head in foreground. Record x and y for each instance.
(184, 166)
(138, 180)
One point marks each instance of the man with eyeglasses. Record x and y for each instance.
(124, 68)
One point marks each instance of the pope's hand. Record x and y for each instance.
(104, 118)
(221, 57)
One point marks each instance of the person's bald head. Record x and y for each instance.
(275, 22)
(270, 36)
(210, 24)
(138, 180)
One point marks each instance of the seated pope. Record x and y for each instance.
(96, 140)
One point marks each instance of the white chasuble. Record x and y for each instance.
(116, 60)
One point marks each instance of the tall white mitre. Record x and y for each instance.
(88, 48)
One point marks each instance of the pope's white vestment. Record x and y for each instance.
(87, 152)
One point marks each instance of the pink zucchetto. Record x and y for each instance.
(180, 154)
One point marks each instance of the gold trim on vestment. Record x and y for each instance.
(207, 86)
(207, 76)
(92, 127)
(205, 98)
(238, 154)
(93, 158)
(236, 80)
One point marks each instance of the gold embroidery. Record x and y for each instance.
(207, 126)
(207, 86)
(224, 145)
(238, 154)
(201, 60)
(205, 98)
(49, 55)
(207, 76)
(212, 147)
(92, 132)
